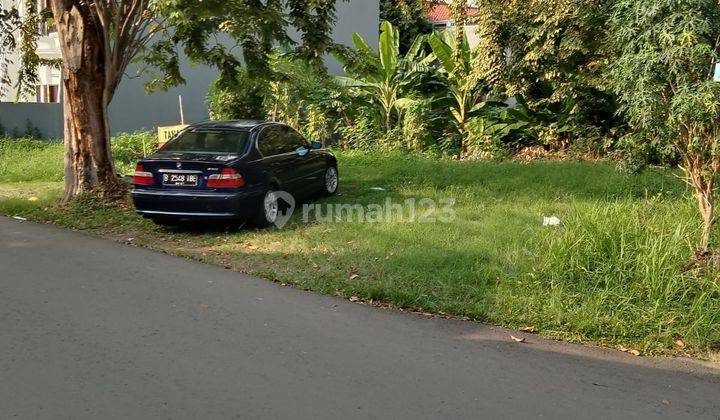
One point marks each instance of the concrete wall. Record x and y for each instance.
(45, 117)
(133, 109)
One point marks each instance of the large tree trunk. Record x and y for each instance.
(88, 163)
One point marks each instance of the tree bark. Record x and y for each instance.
(707, 212)
(88, 163)
(701, 177)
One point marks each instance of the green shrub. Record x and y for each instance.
(415, 123)
(241, 98)
(361, 135)
(127, 149)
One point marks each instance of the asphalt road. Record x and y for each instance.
(95, 329)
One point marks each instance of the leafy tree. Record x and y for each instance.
(663, 77)
(555, 53)
(409, 17)
(100, 38)
(240, 98)
(384, 76)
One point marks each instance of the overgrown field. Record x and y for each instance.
(612, 273)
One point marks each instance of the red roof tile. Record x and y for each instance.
(441, 12)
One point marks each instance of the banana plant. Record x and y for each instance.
(463, 82)
(384, 76)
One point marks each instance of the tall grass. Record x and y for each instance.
(24, 160)
(618, 271)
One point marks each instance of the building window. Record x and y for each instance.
(47, 93)
(45, 27)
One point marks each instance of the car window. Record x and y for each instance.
(278, 139)
(208, 141)
(295, 140)
(270, 142)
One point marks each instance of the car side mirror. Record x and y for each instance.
(316, 145)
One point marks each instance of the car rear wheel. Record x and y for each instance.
(331, 180)
(269, 209)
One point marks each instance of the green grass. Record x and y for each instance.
(24, 160)
(612, 273)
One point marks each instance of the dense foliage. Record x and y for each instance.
(240, 97)
(257, 27)
(554, 54)
(409, 17)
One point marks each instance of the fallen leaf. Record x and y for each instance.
(354, 299)
(666, 402)
(285, 256)
(680, 343)
(630, 351)
(530, 330)
(354, 276)
(517, 340)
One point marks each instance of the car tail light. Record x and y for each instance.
(227, 178)
(142, 177)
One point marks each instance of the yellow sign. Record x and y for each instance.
(166, 133)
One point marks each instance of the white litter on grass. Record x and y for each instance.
(22, 219)
(551, 221)
(377, 189)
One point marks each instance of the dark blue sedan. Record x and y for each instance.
(231, 170)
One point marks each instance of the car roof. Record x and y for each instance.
(232, 124)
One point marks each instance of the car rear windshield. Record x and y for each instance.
(208, 141)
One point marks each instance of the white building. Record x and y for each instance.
(132, 109)
(48, 90)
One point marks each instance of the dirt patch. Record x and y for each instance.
(703, 260)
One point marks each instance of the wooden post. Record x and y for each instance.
(182, 113)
